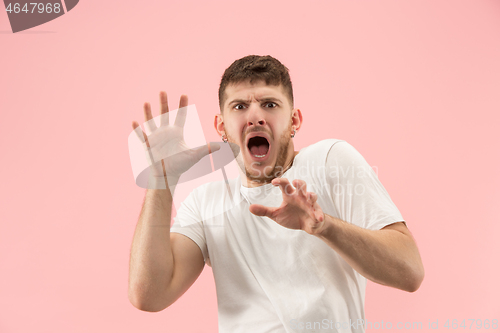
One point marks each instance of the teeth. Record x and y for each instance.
(259, 155)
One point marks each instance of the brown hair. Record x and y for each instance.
(256, 68)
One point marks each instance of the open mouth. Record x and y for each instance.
(258, 147)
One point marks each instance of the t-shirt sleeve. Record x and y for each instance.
(188, 222)
(358, 195)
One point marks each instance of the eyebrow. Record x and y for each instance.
(264, 99)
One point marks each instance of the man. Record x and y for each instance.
(306, 231)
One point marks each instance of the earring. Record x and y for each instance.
(294, 132)
(223, 138)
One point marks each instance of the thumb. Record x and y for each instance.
(206, 149)
(213, 147)
(260, 210)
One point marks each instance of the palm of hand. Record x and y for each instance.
(299, 209)
(167, 143)
(294, 213)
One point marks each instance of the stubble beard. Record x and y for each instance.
(264, 176)
(279, 166)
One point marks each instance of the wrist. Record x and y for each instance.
(325, 229)
(157, 182)
(172, 182)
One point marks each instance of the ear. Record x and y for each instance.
(219, 124)
(296, 119)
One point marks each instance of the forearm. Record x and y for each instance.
(388, 257)
(151, 259)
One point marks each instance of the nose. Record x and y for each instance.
(255, 116)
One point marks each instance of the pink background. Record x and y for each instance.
(413, 85)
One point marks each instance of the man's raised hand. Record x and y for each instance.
(165, 146)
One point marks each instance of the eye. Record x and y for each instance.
(237, 107)
(273, 105)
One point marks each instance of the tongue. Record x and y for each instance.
(259, 150)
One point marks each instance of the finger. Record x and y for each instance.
(183, 101)
(140, 133)
(309, 198)
(318, 212)
(261, 210)
(312, 197)
(284, 185)
(301, 186)
(180, 119)
(163, 109)
(213, 147)
(150, 123)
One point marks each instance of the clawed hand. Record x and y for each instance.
(299, 209)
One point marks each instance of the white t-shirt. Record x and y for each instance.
(273, 279)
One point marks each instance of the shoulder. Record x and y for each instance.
(342, 152)
(318, 151)
(321, 146)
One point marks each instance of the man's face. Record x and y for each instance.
(260, 120)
